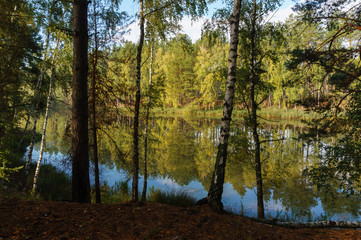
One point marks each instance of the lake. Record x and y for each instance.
(182, 154)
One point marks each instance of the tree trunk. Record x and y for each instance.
(80, 155)
(94, 123)
(144, 193)
(37, 97)
(254, 122)
(137, 106)
(35, 183)
(48, 103)
(214, 197)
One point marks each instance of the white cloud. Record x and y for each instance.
(133, 34)
(192, 28)
(281, 14)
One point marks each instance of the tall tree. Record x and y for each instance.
(216, 189)
(144, 192)
(80, 155)
(48, 102)
(253, 78)
(339, 55)
(254, 87)
(37, 99)
(173, 12)
(93, 105)
(19, 52)
(137, 105)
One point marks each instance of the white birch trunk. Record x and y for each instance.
(42, 144)
(216, 189)
(41, 77)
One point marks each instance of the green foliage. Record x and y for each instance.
(211, 70)
(6, 171)
(177, 198)
(122, 70)
(179, 84)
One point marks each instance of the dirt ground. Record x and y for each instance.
(66, 220)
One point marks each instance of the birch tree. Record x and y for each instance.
(48, 103)
(214, 197)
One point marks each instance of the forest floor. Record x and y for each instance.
(21, 219)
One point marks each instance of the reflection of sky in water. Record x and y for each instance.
(238, 204)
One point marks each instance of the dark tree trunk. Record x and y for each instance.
(80, 155)
(137, 106)
(144, 193)
(254, 121)
(216, 189)
(94, 122)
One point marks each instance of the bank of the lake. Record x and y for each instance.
(65, 220)
(272, 113)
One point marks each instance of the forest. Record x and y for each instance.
(263, 106)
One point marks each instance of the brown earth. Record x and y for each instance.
(65, 220)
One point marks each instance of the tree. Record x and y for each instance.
(48, 102)
(216, 189)
(103, 24)
(211, 67)
(19, 51)
(173, 11)
(137, 105)
(179, 76)
(80, 155)
(339, 57)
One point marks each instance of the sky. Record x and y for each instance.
(192, 28)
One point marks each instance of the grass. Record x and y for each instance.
(113, 194)
(120, 192)
(175, 198)
(52, 183)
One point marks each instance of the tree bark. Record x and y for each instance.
(216, 189)
(254, 121)
(48, 102)
(37, 97)
(137, 106)
(80, 155)
(144, 193)
(94, 122)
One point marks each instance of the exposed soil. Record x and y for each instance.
(66, 220)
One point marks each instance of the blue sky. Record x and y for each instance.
(193, 29)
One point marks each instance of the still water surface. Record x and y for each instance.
(182, 155)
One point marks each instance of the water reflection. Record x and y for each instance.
(182, 154)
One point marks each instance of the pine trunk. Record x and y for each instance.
(214, 197)
(254, 122)
(137, 106)
(94, 122)
(80, 138)
(144, 193)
